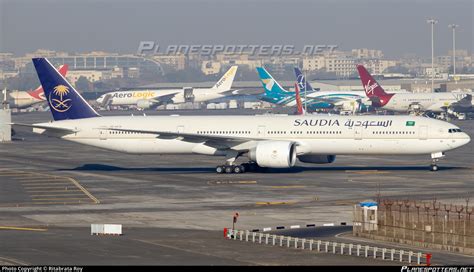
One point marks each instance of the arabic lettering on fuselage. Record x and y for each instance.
(367, 123)
(349, 123)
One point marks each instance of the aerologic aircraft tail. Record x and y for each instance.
(274, 93)
(38, 93)
(64, 101)
(225, 83)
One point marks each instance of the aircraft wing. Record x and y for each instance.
(161, 99)
(217, 141)
(463, 104)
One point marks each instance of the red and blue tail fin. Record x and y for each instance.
(64, 101)
(38, 93)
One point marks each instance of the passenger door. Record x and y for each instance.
(358, 133)
(103, 134)
(423, 133)
(261, 131)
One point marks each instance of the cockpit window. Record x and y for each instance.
(454, 130)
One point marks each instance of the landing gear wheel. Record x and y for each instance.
(229, 169)
(220, 169)
(434, 167)
(239, 169)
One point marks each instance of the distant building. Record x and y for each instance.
(341, 65)
(6, 56)
(314, 63)
(176, 62)
(90, 75)
(132, 72)
(95, 61)
(365, 53)
(376, 67)
(210, 67)
(7, 74)
(240, 60)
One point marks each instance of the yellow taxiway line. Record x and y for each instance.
(19, 228)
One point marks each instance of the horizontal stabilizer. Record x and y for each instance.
(47, 128)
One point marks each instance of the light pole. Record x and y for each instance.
(453, 26)
(432, 22)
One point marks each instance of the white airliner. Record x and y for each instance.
(146, 99)
(24, 99)
(274, 141)
(413, 102)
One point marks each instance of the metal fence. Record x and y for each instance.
(329, 247)
(428, 224)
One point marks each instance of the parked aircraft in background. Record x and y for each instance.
(25, 99)
(146, 99)
(417, 103)
(273, 141)
(313, 99)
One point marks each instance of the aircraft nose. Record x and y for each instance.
(466, 138)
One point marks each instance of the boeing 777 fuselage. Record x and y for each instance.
(273, 141)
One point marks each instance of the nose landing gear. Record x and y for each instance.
(434, 160)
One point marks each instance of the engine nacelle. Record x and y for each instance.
(274, 154)
(144, 104)
(317, 159)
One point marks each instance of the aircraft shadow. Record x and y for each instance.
(297, 169)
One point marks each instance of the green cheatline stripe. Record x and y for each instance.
(410, 123)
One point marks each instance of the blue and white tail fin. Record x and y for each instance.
(64, 101)
(273, 90)
(302, 82)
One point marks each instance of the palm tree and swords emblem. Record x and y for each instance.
(59, 103)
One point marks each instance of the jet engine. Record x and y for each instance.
(144, 104)
(274, 154)
(317, 159)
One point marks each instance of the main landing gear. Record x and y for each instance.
(231, 168)
(237, 169)
(434, 160)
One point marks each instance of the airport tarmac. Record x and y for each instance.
(64, 187)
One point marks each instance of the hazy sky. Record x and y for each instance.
(396, 27)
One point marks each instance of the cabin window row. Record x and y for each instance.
(223, 132)
(394, 132)
(123, 132)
